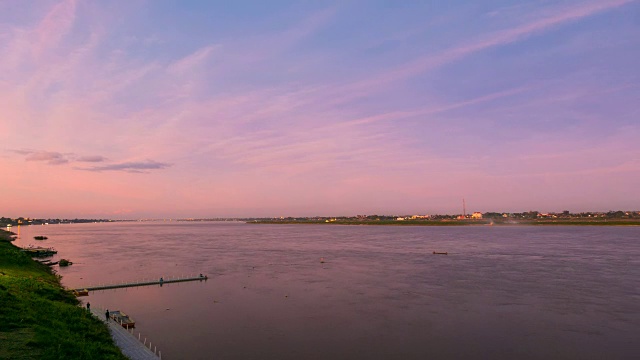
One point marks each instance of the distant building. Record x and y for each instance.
(476, 215)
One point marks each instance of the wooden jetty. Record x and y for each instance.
(160, 281)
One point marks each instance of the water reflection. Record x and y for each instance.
(378, 293)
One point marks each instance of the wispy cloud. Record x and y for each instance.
(133, 167)
(96, 158)
(56, 158)
(440, 108)
(559, 16)
(189, 62)
(55, 26)
(50, 157)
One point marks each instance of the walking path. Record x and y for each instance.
(131, 347)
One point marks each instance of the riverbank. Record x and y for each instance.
(40, 319)
(466, 222)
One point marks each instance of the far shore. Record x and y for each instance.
(467, 222)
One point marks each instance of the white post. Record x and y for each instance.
(160, 354)
(138, 336)
(145, 341)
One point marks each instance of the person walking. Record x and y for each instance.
(106, 314)
(88, 306)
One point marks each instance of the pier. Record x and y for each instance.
(131, 346)
(160, 281)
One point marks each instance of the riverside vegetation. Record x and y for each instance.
(39, 319)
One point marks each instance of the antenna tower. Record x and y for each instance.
(464, 209)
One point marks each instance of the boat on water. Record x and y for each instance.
(48, 262)
(81, 292)
(39, 251)
(122, 319)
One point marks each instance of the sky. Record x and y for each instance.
(177, 109)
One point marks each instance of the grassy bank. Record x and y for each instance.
(39, 319)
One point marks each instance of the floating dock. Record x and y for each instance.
(160, 281)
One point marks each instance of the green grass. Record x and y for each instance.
(41, 320)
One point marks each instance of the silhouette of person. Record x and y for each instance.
(89, 306)
(106, 314)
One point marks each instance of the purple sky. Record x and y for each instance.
(134, 109)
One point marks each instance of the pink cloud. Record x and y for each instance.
(54, 27)
(52, 158)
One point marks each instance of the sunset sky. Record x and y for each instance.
(168, 109)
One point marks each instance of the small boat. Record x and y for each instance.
(39, 251)
(440, 253)
(122, 319)
(81, 292)
(40, 237)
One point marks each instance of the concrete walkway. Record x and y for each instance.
(129, 344)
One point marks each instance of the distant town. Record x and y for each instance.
(566, 216)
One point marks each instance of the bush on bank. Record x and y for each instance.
(41, 320)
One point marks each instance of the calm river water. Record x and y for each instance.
(503, 292)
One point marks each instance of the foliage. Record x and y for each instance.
(39, 319)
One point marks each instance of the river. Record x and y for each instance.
(502, 292)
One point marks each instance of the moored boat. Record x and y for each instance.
(122, 319)
(81, 292)
(39, 251)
